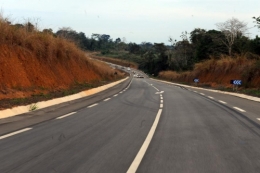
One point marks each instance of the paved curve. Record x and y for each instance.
(195, 134)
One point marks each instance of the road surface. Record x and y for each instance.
(140, 126)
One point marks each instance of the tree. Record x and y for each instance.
(257, 21)
(29, 27)
(232, 28)
(118, 40)
(47, 31)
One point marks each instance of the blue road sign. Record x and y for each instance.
(236, 82)
(196, 80)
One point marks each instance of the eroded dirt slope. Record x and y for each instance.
(22, 73)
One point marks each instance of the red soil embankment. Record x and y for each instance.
(22, 73)
(218, 73)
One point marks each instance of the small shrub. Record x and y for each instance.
(33, 107)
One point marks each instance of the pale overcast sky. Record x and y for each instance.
(136, 20)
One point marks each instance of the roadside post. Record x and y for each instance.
(196, 80)
(235, 84)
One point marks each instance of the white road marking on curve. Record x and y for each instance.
(202, 94)
(210, 97)
(92, 105)
(241, 110)
(63, 116)
(115, 95)
(107, 99)
(15, 133)
(138, 158)
(222, 102)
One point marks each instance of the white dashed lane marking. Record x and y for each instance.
(92, 105)
(258, 119)
(115, 95)
(65, 115)
(222, 102)
(210, 97)
(202, 94)
(15, 133)
(241, 110)
(107, 99)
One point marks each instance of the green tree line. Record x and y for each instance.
(180, 55)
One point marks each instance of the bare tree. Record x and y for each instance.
(232, 29)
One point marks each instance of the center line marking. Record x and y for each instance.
(15, 133)
(115, 95)
(106, 99)
(92, 105)
(65, 115)
(138, 158)
(222, 102)
(241, 110)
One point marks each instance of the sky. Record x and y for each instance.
(134, 20)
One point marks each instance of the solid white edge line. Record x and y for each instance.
(241, 110)
(222, 102)
(63, 116)
(138, 158)
(107, 99)
(92, 105)
(14, 133)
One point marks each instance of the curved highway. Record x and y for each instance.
(141, 126)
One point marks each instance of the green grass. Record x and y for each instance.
(252, 92)
(18, 100)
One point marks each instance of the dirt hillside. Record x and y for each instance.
(22, 73)
(218, 72)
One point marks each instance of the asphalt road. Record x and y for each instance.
(146, 127)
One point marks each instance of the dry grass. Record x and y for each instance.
(219, 72)
(31, 59)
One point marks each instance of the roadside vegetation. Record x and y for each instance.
(214, 56)
(38, 65)
(42, 64)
